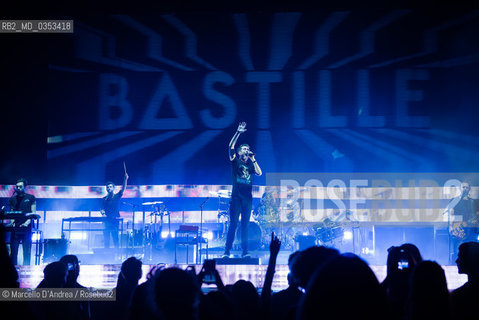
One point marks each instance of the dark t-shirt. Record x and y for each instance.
(22, 203)
(242, 178)
(111, 205)
(466, 209)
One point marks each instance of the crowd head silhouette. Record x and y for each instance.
(323, 284)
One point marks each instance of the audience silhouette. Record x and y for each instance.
(308, 261)
(130, 274)
(177, 294)
(81, 309)
(429, 297)
(54, 276)
(246, 300)
(344, 287)
(217, 305)
(283, 302)
(8, 273)
(322, 284)
(464, 299)
(143, 304)
(9, 279)
(400, 264)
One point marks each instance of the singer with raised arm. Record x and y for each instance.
(111, 209)
(24, 204)
(243, 164)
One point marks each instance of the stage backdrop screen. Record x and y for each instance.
(325, 91)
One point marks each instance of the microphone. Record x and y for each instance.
(251, 153)
(464, 193)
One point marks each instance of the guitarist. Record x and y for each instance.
(464, 222)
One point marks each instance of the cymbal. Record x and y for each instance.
(151, 203)
(221, 193)
(224, 193)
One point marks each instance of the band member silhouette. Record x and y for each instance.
(465, 216)
(110, 208)
(26, 203)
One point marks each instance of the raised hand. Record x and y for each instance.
(201, 276)
(275, 245)
(219, 282)
(242, 127)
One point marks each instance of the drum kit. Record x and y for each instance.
(272, 214)
(339, 228)
(284, 218)
(327, 231)
(223, 210)
(154, 222)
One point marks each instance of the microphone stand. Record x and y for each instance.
(201, 229)
(133, 207)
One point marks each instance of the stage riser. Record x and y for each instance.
(371, 244)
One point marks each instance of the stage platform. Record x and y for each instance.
(105, 276)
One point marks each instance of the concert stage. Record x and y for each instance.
(152, 215)
(105, 276)
(164, 226)
(164, 130)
